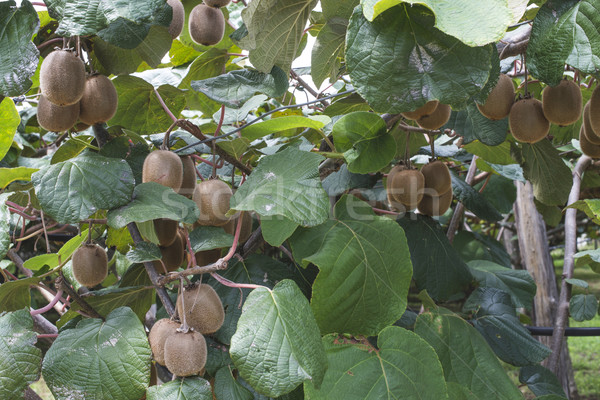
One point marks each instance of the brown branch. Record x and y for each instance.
(514, 42)
(206, 269)
(562, 313)
(307, 86)
(64, 284)
(456, 220)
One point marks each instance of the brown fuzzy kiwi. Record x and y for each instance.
(90, 265)
(527, 121)
(422, 111)
(164, 167)
(99, 101)
(405, 186)
(161, 330)
(176, 26)
(562, 103)
(166, 231)
(437, 178)
(595, 109)
(174, 254)
(590, 134)
(206, 25)
(437, 118)
(185, 353)
(216, 3)
(62, 77)
(188, 182)
(500, 99)
(56, 118)
(587, 147)
(207, 257)
(203, 308)
(435, 206)
(212, 198)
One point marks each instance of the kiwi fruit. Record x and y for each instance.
(173, 255)
(437, 178)
(435, 206)
(56, 118)
(437, 118)
(206, 25)
(562, 103)
(405, 186)
(527, 121)
(62, 77)
(595, 109)
(500, 99)
(203, 308)
(587, 147)
(188, 182)
(207, 257)
(164, 167)
(422, 111)
(99, 101)
(212, 198)
(185, 353)
(245, 230)
(216, 3)
(161, 330)
(90, 265)
(176, 26)
(166, 231)
(590, 134)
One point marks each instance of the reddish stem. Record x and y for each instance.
(192, 260)
(221, 119)
(48, 335)
(236, 239)
(228, 283)
(49, 306)
(197, 157)
(38, 3)
(164, 106)
(49, 42)
(380, 211)
(22, 214)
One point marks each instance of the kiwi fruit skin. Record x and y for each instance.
(212, 198)
(164, 167)
(405, 186)
(185, 353)
(56, 118)
(176, 26)
(437, 178)
(206, 25)
(434, 206)
(595, 109)
(437, 118)
(500, 99)
(590, 134)
(203, 308)
(99, 101)
(173, 255)
(161, 330)
(422, 111)
(166, 231)
(207, 257)
(217, 3)
(188, 181)
(62, 77)
(562, 103)
(587, 147)
(90, 265)
(527, 121)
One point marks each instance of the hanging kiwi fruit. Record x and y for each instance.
(176, 25)
(90, 265)
(99, 101)
(562, 103)
(527, 121)
(164, 167)
(188, 181)
(434, 206)
(203, 308)
(422, 111)
(166, 231)
(56, 118)
(405, 186)
(595, 110)
(206, 25)
(590, 134)
(185, 353)
(500, 99)
(62, 77)
(207, 257)
(246, 228)
(212, 198)
(588, 148)
(173, 255)
(437, 178)
(437, 118)
(216, 3)
(158, 335)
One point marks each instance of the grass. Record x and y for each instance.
(585, 354)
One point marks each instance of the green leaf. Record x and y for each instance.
(403, 367)
(181, 389)
(227, 387)
(71, 148)
(364, 139)
(473, 200)
(75, 189)
(233, 115)
(20, 359)
(364, 264)
(18, 56)
(235, 87)
(459, 392)
(564, 31)
(465, 356)
(547, 172)
(275, 125)
(9, 121)
(472, 125)
(277, 345)
(499, 154)
(437, 266)
(578, 282)
(341, 180)
(400, 61)
(104, 301)
(15, 295)
(286, 183)
(150, 201)
(588, 257)
(139, 108)
(583, 307)
(541, 381)
(209, 237)
(346, 105)
(501, 193)
(53, 260)
(274, 31)
(328, 48)
(486, 21)
(276, 230)
(144, 251)
(591, 208)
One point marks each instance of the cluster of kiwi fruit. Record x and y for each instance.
(589, 134)
(433, 115)
(206, 24)
(428, 190)
(69, 98)
(90, 265)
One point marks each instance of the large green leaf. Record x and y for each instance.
(465, 356)
(583, 307)
(53, 260)
(8, 175)
(150, 201)
(190, 388)
(591, 207)
(139, 108)
(540, 380)
(9, 121)
(564, 31)
(472, 125)
(227, 387)
(144, 251)
(588, 257)
(235, 87)
(473, 200)
(365, 142)
(486, 21)
(105, 301)
(20, 360)
(124, 25)
(100, 358)
(328, 47)
(400, 61)
(275, 125)
(286, 183)
(403, 367)
(15, 295)
(365, 269)
(18, 55)
(209, 237)
(437, 266)
(277, 345)
(274, 29)
(75, 189)
(276, 230)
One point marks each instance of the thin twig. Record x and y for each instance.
(64, 284)
(164, 106)
(455, 222)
